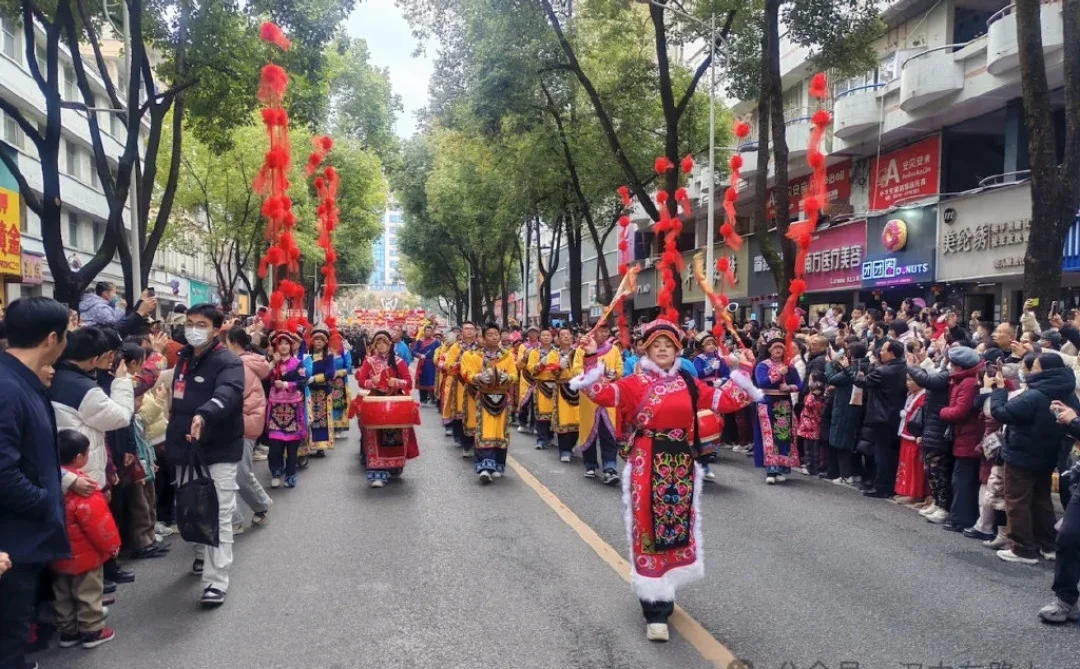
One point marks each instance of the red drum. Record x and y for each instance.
(710, 425)
(389, 413)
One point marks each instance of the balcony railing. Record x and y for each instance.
(929, 76)
(856, 110)
(1002, 49)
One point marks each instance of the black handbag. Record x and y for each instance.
(197, 512)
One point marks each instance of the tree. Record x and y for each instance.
(363, 105)
(211, 56)
(840, 35)
(1055, 189)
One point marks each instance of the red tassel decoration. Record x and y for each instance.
(624, 194)
(688, 164)
(269, 32)
(742, 129)
(663, 165)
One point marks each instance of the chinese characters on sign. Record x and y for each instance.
(844, 257)
(888, 268)
(986, 236)
(31, 270)
(906, 174)
(837, 185)
(10, 238)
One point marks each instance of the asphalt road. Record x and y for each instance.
(435, 571)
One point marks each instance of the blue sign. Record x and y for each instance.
(900, 247)
(199, 292)
(1071, 252)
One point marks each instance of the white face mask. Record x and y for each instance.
(197, 337)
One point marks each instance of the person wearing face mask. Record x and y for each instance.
(206, 425)
(661, 481)
(32, 516)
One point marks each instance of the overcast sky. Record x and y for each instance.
(392, 45)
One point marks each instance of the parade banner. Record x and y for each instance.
(10, 238)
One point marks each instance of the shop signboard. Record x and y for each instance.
(10, 237)
(834, 261)
(645, 297)
(900, 247)
(32, 271)
(906, 174)
(692, 290)
(984, 235)
(761, 280)
(837, 189)
(556, 301)
(199, 292)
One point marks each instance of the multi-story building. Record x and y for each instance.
(927, 160)
(176, 277)
(386, 274)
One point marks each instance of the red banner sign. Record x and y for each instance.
(837, 185)
(906, 174)
(835, 259)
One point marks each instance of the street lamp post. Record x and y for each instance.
(710, 235)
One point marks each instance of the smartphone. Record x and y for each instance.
(1054, 306)
(151, 291)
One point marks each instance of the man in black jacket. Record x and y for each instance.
(937, 450)
(206, 425)
(887, 390)
(32, 519)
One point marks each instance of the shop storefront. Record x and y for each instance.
(981, 242)
(900, 255)
(693, 298)
(833, 267)
(762, 300)
(906, 174)
(11, 272)
(644, 305)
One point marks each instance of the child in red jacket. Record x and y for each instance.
(94, 540)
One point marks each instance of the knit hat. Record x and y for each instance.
(993, 354)
(963, 357)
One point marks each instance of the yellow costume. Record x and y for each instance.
(544, 390)
(459, 402)
(526, 381)
(564, 419)
(493, 376)
(590, 413)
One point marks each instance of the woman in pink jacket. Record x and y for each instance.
(256, 368)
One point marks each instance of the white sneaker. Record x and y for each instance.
(780, 478)
(1049, 556)
(770, 480)
(997, 543)
(448, 433)
(938, 517)
(497, 475)
(657, 632)
(238, 528)
(466, 453)
(564, 458)
(485, 477)
(259, 456)
(804, 471)
(377, 483)
(929, 511)
(521, 429)
(275, 483)
(1009, 556)
(838, 481)
(163, 529)
(710, 476)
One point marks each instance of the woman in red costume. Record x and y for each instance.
(662, 480)
(383, 374)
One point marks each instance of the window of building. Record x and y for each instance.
(72, 160)
(888, 69)
(793, 102)
(73, 230)
(69, 84)
(12, 133)
(99, 234)
(42, 61)
(94, 180)
(9, 42)
(116, 125)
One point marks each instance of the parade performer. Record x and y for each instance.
(711, 368)
(599, 425)
(424, 351)
(460, 406)
(661, 482)
(565, 418)
(441, 383)
(384, 375)
(543, 388)
(774, 430)
(319, 365)
(492, 371)
(526, 382)
(285, 412)
(340, 395)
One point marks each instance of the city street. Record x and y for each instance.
(437, 571)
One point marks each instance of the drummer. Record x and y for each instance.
(384, 375)
(711, 368)
(492, 370)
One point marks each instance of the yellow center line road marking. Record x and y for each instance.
(691, 630)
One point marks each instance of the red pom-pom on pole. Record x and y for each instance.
(688, 164)
(663, 165)
(723, 264)
(624, 194)
(736, 162)
(798, 287)
(270, 32)
(819, 86)
(742, 129)
(821, 118)
(731, 195)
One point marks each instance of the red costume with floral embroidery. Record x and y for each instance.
(661, 480)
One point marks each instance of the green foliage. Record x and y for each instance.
(363, 106)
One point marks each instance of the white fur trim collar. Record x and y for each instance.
(588, 378)
(650, 366)
(743, 380)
